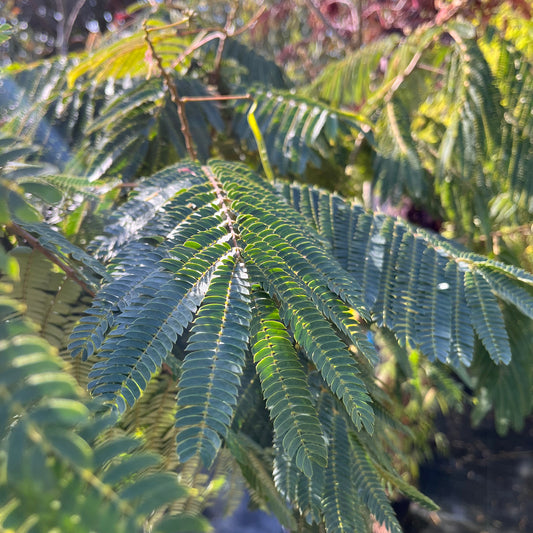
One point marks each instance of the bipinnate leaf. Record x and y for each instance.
(212, 369)
(285, 388)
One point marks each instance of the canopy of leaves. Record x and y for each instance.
(225, 324)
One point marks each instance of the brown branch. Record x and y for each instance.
(15, 229)
(216, 34)
(222, 42)
(174, 95)
(401, 77)
(216, 98)
(69, 25)
(251, 23)
(209, 34)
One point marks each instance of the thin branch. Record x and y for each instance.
(222, 41)
(251, 23)
(315, 9)
(359, 11)
(174, 95)
(197, 43)
(60, 29)
(70, 22)
(401, 77)
(216, 98)
(209, 34)
(15, 229)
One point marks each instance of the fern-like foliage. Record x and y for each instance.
(49, 454)
(348, 81)
(431, 294)
(438, 105)
(221, 321)
(317, 271)
(130, 56)
(296, 130)
(147, 108)
(38, 106)
(397, 165)
(252, 67)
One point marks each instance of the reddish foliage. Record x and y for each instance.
(379, 17)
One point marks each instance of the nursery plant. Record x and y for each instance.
(216, 280)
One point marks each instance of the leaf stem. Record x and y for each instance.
(223, 199)
(174, 94)
(216, 98)
(15, 229)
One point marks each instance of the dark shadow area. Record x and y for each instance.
(485, 484)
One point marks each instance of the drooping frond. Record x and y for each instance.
(153, 418)
(251, 461)
(453, 109)
(296, 130)
(119, 148)
(47, 437)
(416, 283)
(472, 116)
(90, 270)
(144, 333)
(507, 389)
(211, 371)
(131, 56)
(343, 496)
(53, 302)
(304, 492)
(195, 255)
(182, 249)
(132, 219)
(38, 107)
(397, 166)
(348, 81)
(514, 77)
(368, 485)
(284, 385)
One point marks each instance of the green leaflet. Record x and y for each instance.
(62, 247)
(345, 318)
(305, 492)
(426, 289)
(54, 302)
(295, 130)
(211, 371)
(343, 498)
(313, 332)
(487, 317)
(144, 205)
(141, 340)
(148, 109)
(368, 486)
(251, 461)
(285, 388)
(397, 165)
(507, 388)
(258, 69)
(47, 439)
(505, 288)
(347, 82)
(252, 121)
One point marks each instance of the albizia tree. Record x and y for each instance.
(184, 314)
